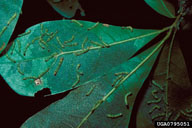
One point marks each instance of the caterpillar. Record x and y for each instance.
(90, 91)
(77, 22)
(13, 47)
(50, 57)
(83, 44)
(126, 97)
(41, 25)
(19, 69)
(154, 108)
(96, 43)
(116, 80)
(51, 36)
(154, 101)
(9, 58)
(77, 69)
(77, 81)
(59, 42)
(70, 40)
(2, 47)
(19, 46)
(185, 114)
(30, 77)
(121, 73)
(59, 66)
(105, 44)
(71, 45)
(40, 44)
(128, 27)
(94, 26)
(3, 30)
(114, 116)
(177, 116)
(154, 94)
(24, 34)
(158, 116)
(12, 18)
(157, 85)
(25, 50)
(82, 52)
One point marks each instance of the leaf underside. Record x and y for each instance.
(168, 96)
(163, 7)
(9, 13)
(114, 112)
(61, 55)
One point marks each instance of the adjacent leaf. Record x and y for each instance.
(60, 55)
(9, 13)
(169, 95)
(66, 8)
(97, 104)
(163, 7)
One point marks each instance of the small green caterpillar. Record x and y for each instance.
(154, 101)
(105, 44)
(25, 33)
(50, 57)
(59, 66)
(157, 85)
(114, 116)
(77, 81)
(154, 108)
(94, 26)
(158, 116)
(83, 44)
(2, 47)
(19, 69)
(9, 58)
(82, 52)
(70, 40)
(97, 44)
(59, 42)
(116, 80)
(77, 22)
(90, 91)
(126, 98)
(19, 46)
(30, 77)
(128, 27)
(154, 94)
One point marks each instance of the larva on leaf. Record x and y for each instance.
(114, 116)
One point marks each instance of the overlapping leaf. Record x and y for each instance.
(66, 8)
(104, 102)
(169, 95)
(63, 54)
(163, 7)
(9, 13)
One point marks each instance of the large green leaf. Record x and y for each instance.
(26, 69)
(168, 97)
(163, 7)
(66, 8)
(97, 109)
(9, 13)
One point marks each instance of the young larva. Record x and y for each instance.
(114, 116)
(51, 36)
(59, 66)
(25, 33)
(30, 77)
(77, 81)
(158, 116)
(12, 18)
(41, 25)
(70, 40)
(2, 47)
(128, 27)
(116, 80)
(94, 26)
(77, 69)
(50, 57)
(13, 47)
(71, 45)
(96, 43)
(121, 73)
(126, 98)
(157, 85)
(43, 42)
(104, 44)
(83, 44)
(19, 45)
(154, 101)
(186, 114)
(59, 42)
(19, 69)
(90, 91)
(25, 50)
(154, 92)
(154, 108)
(176, 116)
(41, 45)
(82, 52)
(77, 22)
(9, 58)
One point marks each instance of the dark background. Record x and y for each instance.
(15, 109)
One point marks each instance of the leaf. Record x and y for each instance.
(170, 83)
(9, 13)
(96, 109)
(163, 7)
(66, 8)
(35, 63)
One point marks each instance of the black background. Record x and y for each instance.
(15, 109)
